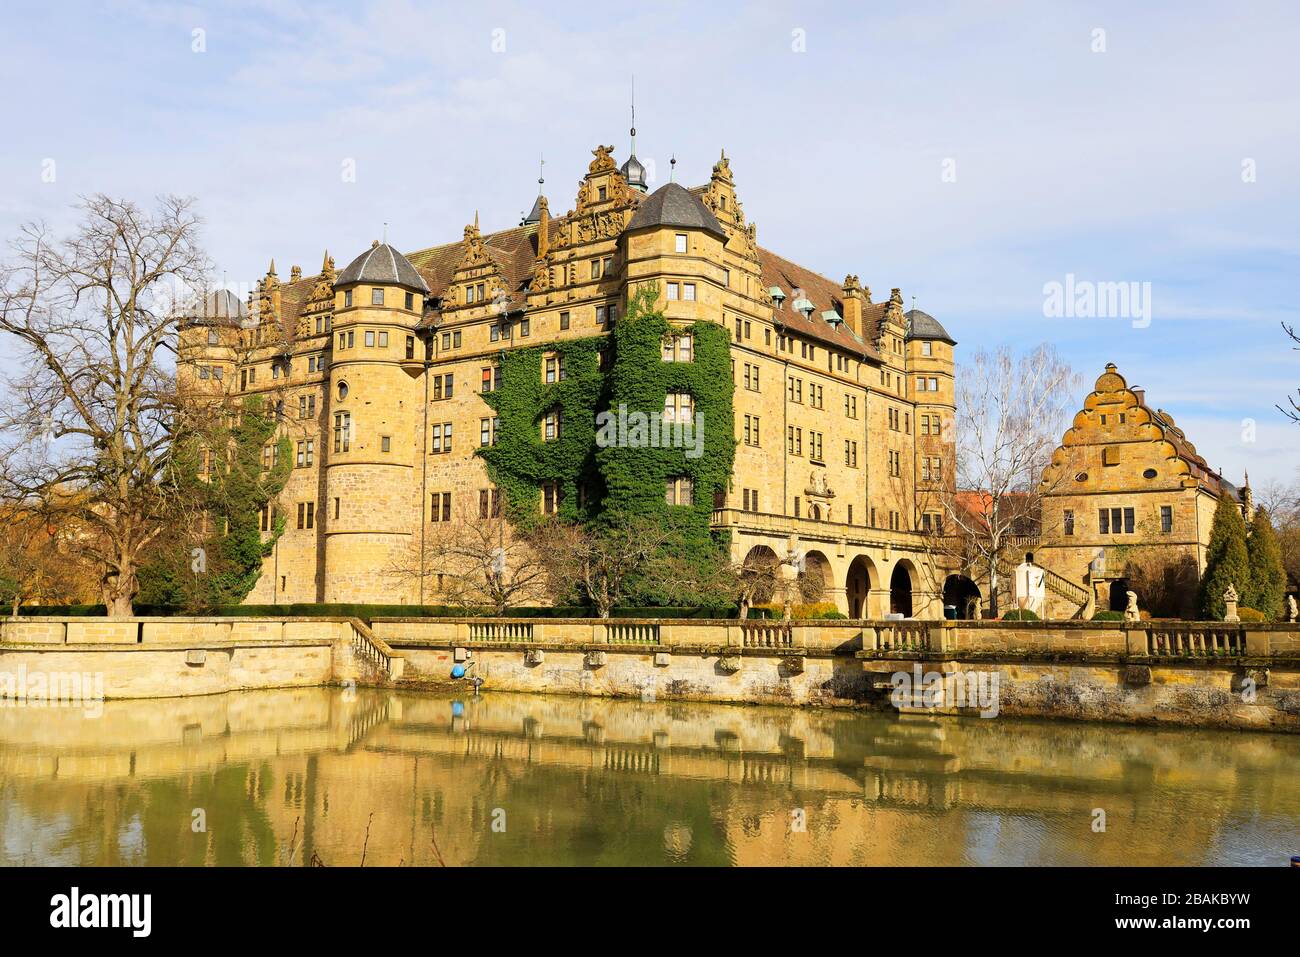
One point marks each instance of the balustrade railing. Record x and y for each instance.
(370, 647)
(632, 633)
(903, 636)
(1195, 640)
(501, 631)
(760, 633)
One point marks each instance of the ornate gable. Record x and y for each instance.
(720, 198)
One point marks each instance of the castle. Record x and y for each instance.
(383, 373)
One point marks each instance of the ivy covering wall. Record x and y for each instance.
(604, 485)
(521, 462)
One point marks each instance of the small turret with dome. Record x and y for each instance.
(632, 169)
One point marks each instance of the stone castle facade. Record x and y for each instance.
(841, 401)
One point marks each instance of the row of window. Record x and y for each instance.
(377, 298)
(1120, 520)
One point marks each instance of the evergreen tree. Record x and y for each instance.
(1266, 590)
(1226, 561)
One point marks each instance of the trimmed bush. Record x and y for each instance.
(1108, 615)
(369, 612)
(1251, 614)
(1020, 614)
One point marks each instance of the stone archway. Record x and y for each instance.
(900, 589)
(814, 578)
(762, 567)
(962, 593)
(862, 577)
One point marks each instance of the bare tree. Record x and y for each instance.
(477, 560)
(597, 565)
(1292, 411)
(1282, 500)
(1011, 413)
(95, 407)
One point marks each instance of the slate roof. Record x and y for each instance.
(674, 205)
(514, 251)
(922, 325)
(382, 263)
(221, 307)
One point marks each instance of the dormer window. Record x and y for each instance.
(469, 294)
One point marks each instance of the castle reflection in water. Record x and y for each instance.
(287, 777)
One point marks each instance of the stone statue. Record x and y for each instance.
(1290, 608)
(1131, 609)
(1230, 604)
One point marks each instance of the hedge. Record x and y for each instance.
(368, 612)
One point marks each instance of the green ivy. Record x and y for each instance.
(618, 481)
(639, 381)
(521, 462)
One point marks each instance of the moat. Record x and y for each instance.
(327, 775)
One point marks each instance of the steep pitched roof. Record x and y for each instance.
(825, 295)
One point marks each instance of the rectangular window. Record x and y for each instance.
(688, 291)
(524, 328)
(370, 339)
(342, 431)
(376, 297)
(484, 432)
(551, 425)
(410, 300)
(383, 340)
(679, 491)
(347, 299)
(385, 443)
(679, 243)
(1128, 521)
(1166, 518)
(1103, 521)
(564, 320)
(1068, 521)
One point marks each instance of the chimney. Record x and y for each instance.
(852, 304)
(1141, 395)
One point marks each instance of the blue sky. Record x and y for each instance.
(840, 120)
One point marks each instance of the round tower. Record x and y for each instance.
(371, 511)
(930, 369)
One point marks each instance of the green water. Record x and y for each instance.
(288, 777)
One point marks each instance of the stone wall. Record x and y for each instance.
(1098, 671)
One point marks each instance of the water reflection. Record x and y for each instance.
(285, 777)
